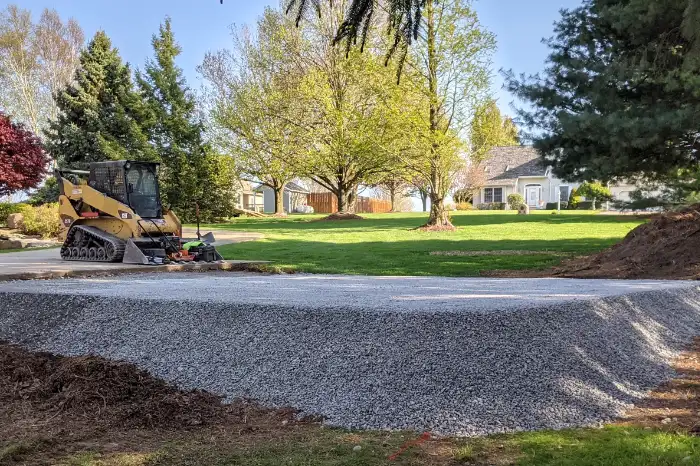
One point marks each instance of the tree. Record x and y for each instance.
(451, 63)
(352, 138)
(395, 185)
(176, 132)
(254, 94)
(23, 161)
(403, 21)
(619, 96)
(36, 61)
(490, 129)
(594, 192)
(471, 177)
(100, 117)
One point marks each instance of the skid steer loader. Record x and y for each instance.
(113, 213)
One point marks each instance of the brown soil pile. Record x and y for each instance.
(666, 247)
(341, 216)
(108, 393)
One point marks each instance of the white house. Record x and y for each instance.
(521, 169)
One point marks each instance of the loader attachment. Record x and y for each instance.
(134, 255)
(209, 238)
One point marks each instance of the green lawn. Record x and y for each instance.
(388, 244)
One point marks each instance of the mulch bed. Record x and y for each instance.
(341, 216)
(99, 392)
(666, 247)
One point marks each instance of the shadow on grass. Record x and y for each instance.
(412, 221)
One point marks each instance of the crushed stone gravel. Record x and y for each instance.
(478, 358)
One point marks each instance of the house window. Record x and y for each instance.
(564, 193)
(493, 195)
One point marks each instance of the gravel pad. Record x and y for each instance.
(453, 372)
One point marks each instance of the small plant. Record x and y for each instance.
(574, 199)
(42, 220)
(515, 200)
(553, 205)
(464, 206)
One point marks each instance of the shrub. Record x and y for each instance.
(464, 206)
(595, 192)
(585, 205)
(553, 205)
(492, 206)
(7, 208)
(42, 220)
(574, 199)
(515, 200)
(462, 196)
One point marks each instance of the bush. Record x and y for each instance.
(7, 208)
(42, 220)
(492, 206)
(464, 206)
(462, 196)
(574, 199)
(515, 200)
(553, 205)
(585, 205)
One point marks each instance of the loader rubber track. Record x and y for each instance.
(90, 244)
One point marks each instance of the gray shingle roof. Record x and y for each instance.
(291, 187)
(505, 164)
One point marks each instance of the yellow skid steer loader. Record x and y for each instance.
(113, 213)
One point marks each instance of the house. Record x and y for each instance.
(249, 198)
(295, 196)
(521, 169)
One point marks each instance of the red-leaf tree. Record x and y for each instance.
(23, 161)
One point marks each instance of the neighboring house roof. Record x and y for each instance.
(505, 164)
(291, 187)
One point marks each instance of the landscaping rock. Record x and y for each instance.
(15, 221)
(10, 244)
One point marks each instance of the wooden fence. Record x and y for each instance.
(327, 203)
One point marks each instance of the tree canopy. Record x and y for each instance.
(100, 116)
(23, 162)
(619, 97)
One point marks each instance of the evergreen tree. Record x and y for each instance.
(620, 95)
(100, 116)
(191, 173)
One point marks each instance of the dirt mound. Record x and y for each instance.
(341, 216)
(109, 393)
(666, 247)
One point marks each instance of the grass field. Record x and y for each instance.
(388, 244)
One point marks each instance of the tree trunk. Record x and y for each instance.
(347, 200)
(279, 200)
(392, 196)
(424, 199)
(439, 219)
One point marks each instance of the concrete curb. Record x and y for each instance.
(229, 266)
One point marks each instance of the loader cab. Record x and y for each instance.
(129, 182)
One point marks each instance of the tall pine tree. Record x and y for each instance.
(620, 96)
(191, 173)
(100, 116)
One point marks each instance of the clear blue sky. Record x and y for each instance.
(203, 25)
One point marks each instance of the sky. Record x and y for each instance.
(203, 25)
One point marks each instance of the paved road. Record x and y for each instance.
(436, 294)
(48, 261)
